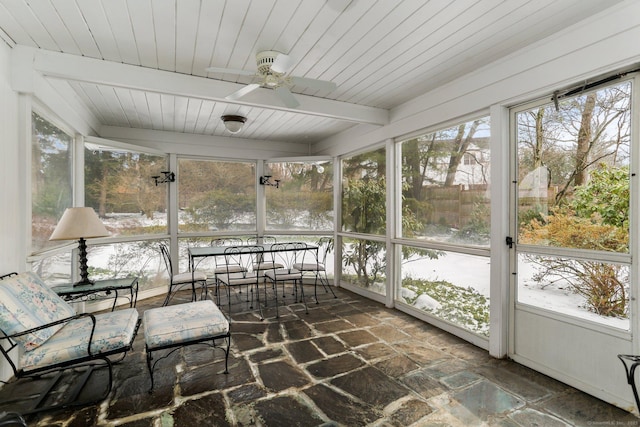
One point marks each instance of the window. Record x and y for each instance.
(364, 203)
(364, 264)
(216, 196)
(51, 179)
(434, 282)
(573, 201)
(364, 210)
(445, 185)
(304, 199)
(119, 187)
(445, 200)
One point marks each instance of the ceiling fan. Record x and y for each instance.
(273, 69)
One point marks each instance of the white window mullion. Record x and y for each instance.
(391, 267)
(172, 211)
(261, 200)
(500, 264)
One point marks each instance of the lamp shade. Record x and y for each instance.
(79, 223)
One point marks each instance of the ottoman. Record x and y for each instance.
(176, 326)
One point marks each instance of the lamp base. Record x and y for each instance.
(84, 282)
(84, 269)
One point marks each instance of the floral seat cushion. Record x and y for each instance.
(26, 303)
(182, 323)
(114, 331)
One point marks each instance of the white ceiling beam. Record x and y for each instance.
(90, 70)
(203, 145)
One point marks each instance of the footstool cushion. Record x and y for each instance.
(178, 324)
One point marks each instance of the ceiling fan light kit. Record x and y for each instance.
(273, 68)
(233, 123)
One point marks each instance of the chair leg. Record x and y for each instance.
(166, 299)
(275, 287)
(306, 309)
(325, 283)
(150, 368)
(258, 299)
(315, 289)
(264, 284)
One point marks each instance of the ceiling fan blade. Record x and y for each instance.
(229, 71)
(282, 64)
(313, 83)
(286, 97)
(242, 92)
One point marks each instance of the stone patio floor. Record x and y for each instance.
(349, 362)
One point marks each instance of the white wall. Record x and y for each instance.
(12, 257)
(10, 238)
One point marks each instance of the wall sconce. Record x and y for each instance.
(168, 177)
(233, 123)
(266, 180)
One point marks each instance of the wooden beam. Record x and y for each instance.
(90, 70)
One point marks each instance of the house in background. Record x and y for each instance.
(355, 81)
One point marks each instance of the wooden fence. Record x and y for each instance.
(456, 206)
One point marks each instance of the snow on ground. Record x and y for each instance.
(460, 269)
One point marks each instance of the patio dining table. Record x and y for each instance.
(217, 251)
(202, 252)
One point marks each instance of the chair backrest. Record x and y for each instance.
(242, 256)
(226, 241)
(325, 246)
(256, 240)
(289, 253)
(26, 302)
(166, 256)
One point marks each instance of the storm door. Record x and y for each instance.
(572, 272)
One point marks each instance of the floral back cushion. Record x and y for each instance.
(26, 303)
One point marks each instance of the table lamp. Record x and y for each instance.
(80, 223)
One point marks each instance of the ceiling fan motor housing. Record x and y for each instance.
(264, 60)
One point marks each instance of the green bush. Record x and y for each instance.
(462, 306)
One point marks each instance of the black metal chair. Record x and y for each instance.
(264, 261)
(54, 339)
(178, 281)
(287, 254)
(12, 419)
(316, 263)
(238, 261)
(631, 363)
(221, 266)
(257, 240)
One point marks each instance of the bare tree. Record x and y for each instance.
(460, 145)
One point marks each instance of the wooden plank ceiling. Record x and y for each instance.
(379, 53)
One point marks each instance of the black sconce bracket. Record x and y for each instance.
(168, 176)
(266, 180)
